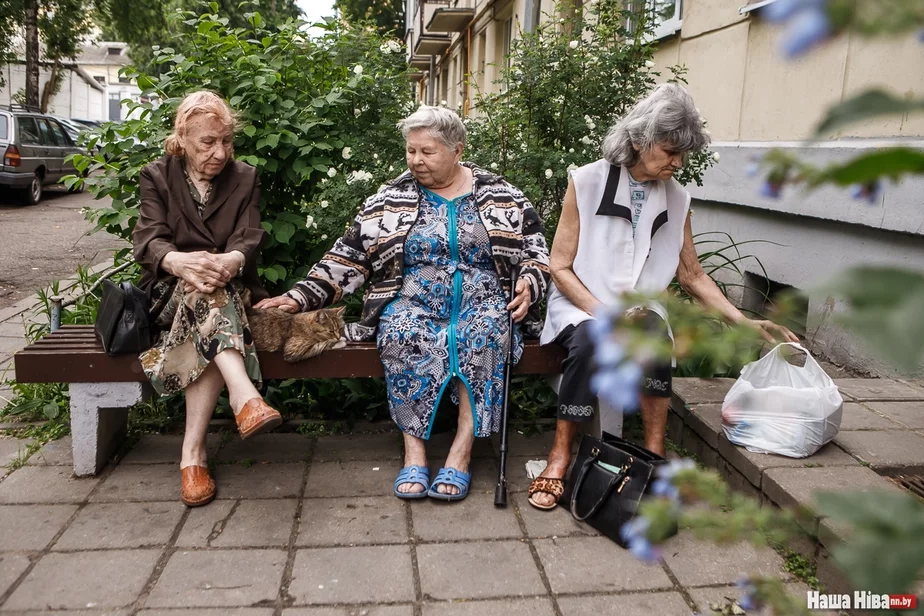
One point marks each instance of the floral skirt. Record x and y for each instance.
(195, 328)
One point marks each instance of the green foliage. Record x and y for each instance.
(884, 307)
(386, 15)
(865, 106)
(145, 25)
(886, 548)
(304, 104)
(553, 114)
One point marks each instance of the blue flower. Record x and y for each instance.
(619, 386)
(670, 470)
(752, 169)
(634, 529)
(807, 29)
(783, 10)
(748, 600)
(771, 190)
(869, 192)
(807, 23)
(644, 551)
(663, 487)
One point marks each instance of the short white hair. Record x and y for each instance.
(442, 123)
(665, 117)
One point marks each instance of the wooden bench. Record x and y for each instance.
(102, 388)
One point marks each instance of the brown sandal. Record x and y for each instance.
(545, 485)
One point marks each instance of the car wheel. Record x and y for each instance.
(34, 192)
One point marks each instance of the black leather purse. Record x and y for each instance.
(607, 483)
(123, 324)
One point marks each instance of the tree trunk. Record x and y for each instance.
(52, 86)
(32, 53)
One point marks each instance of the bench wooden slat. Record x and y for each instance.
(63, 358)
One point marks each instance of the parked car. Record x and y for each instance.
(35, 147)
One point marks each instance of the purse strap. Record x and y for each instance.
(619, 479)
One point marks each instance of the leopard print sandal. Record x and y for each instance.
(545, 485)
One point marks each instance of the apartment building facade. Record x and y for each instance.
(755, 101)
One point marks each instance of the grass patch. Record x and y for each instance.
(801, 567)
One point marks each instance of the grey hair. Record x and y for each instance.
(665, 117)
(442, 123)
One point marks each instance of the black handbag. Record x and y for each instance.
(123, 324)
(607, 483)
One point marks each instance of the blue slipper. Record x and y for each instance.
(413, 474)
(452, 477)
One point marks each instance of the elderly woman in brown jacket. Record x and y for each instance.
(197, 238)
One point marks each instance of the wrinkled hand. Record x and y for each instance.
(520, 304)
(286, 304)
(201, 271)
(771, 332)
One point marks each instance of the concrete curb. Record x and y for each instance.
(695, 425)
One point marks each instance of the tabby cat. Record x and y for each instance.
(298, 336)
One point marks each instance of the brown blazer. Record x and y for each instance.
(168, 219)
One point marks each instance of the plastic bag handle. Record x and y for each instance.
(809, 360)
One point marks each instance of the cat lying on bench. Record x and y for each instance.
(298, 336)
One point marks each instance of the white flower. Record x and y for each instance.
(570, 150)
(358, 69)
(716, 157)
(391, 168)
(572, 167)
(548, 173)
(331, 172)
(562, 161)
(324, 204)
(573, 44)
(309, 221)
(347, 153)
(324, 237)
(493, 165)
(323, 180)
(359, 176)
(394, 46)
(443, 103)
(586, 140)
(649, 64)
(357, 112)
(591, 126)
(375, 156)
(587, 118)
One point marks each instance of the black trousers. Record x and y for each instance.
(576, 400)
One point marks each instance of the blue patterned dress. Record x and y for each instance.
(449, 322)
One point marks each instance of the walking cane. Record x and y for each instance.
(500, 492)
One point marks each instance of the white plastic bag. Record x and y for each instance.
(776, 407)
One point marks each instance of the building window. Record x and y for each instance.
(124, 80)
(666, 16)
(100, 79)
(115, 51)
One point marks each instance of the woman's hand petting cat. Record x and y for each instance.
(286, 304)
(201, 271)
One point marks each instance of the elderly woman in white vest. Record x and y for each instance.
(625, 227)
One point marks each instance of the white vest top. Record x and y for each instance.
(610, 260)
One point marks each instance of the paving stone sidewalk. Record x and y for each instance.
(305, 527)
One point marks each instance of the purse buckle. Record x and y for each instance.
(595, 452)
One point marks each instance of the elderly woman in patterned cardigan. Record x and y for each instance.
(437, 245)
